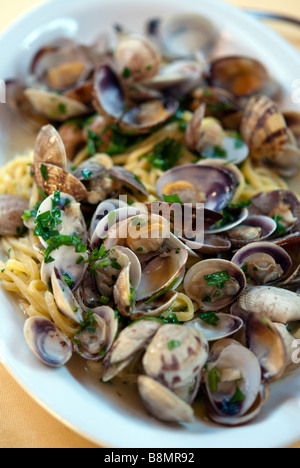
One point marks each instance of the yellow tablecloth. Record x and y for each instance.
(23, 423)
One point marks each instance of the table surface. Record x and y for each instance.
(23, 423)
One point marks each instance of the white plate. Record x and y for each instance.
(95, 410)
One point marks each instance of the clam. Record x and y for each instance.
(49, 148)
(186, 35)
(289, 344)
(162, 403)
(212, 185)
(47, 342)
(103, 209)
(214, 284)
(54, 106)
(263, 262)
(233, 384)
(266, 343)
(161, 274)
(109, 269)
(97, 336)
(178, 77)
(225, 325)
(276, 304)
(12, 209)
(292, 119)
(214, 245)
(65, 299)
(189, 392)
(265, 131)
(136, 58)
(175, 355)
(220, 104)
(241, 76)
(109, 228)
(52, 179)
(109, 101)
(130, 341)
(70, 265)
(253, 229)
(62, 210)
(128, 179)
(290, 244)
(281, 205)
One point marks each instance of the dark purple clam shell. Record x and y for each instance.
(268, 227)
(128, 179)
(218, 184)
(266, 203)
(108, 92)
(277, 253)
(291, 244)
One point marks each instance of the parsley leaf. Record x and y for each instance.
(210, 318)
(166, 154)
(172, 199)
(281, 229)
(214, 377)
(217, 279)
(173, 344)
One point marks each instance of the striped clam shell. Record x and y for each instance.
(264, 128)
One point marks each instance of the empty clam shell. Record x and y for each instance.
(47, 342)
(162, 403)
(64, 298)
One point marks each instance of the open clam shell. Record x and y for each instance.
(263, 263)
(95, 340)
(253, 229)
(278, 204)
(130, 341)
(226, 326)
(266, 343)
(201, 283)
(47, 342)
(213, 186)
(52, 179)
(232, 382)
(185, 35)
(241, 76)
(162, 403)
(65, 299)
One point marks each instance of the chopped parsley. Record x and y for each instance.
(87, 174)
(217, 279)
(29, 214)
(210, 318)
(94, 142)
(173, 344)
(44, 172)
(214, 378)
(166, 154)
(172, 199)
(126, 73)
(281, 229)
(58, 240)
(237, 397)
(68, 280)
(214, 152)
(232, 212)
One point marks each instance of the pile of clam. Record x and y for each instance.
(238, 273)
